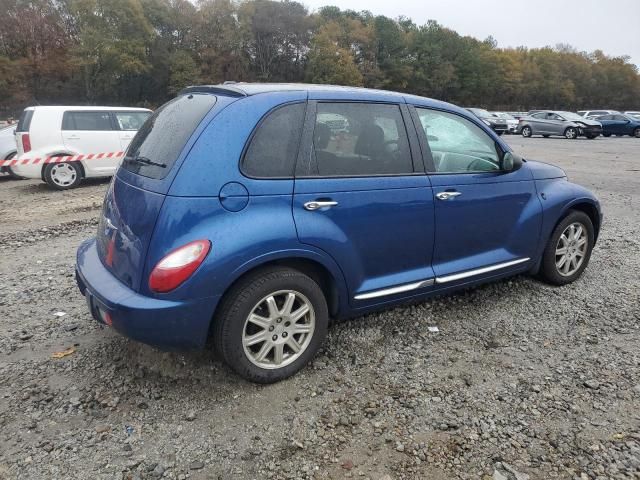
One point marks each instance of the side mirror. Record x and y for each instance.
(511, 162)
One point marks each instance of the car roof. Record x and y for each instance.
(85, 107)
(242, 89)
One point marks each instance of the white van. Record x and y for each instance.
(95, 136)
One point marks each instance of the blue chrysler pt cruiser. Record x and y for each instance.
(250, 214)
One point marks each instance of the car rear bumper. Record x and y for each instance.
(167, 324)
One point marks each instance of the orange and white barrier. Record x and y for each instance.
(59, 159)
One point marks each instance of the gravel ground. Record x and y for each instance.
(523, 380)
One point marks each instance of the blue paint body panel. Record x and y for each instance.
(384, 232)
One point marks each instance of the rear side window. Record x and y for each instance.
(161, 138)
(25, 121)
(88, 121)
(274, 146)
(130, 120)
(359, 140)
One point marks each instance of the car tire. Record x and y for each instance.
(255, 348)
(591, 137)
(636, 133)
(571, 133)
(9, 171)
(63, 175)
(526, 131)
(559, 268)
(546, 135)
(500, 133)
(606, 135)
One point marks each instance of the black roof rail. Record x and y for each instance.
(221, 89)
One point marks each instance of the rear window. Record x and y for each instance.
(87, 121)
(158, 143)
(25, 121)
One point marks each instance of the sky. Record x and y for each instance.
(587, 25)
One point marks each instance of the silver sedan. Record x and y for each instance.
(566, 124)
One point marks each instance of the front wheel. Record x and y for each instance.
(63, 176)
(636, 133)
(526, 132)
(591, 137)
(9, 171)
(607, 135)
(271, 324)
(571, 133)
(568, 251)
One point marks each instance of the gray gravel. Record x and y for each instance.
(523, 380)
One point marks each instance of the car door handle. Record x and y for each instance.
(317, 204)
(447, 195)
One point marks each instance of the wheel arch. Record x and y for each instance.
(60, 153)
(587, 207)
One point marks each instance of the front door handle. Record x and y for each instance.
(447, 195)
(317, 204)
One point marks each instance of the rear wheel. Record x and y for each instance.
(571, 133)
(9, 170)
(271, 324)
(546, 135)
(568, 251)
(606, 135)
(63, 176)
(526, 131)
(636, 133)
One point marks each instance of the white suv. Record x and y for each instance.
(63, 145)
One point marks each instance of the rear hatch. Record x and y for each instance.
(137, 192)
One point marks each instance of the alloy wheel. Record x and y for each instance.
(571, 249)
(278, 329)
(63, 174)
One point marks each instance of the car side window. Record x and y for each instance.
(89, 121)
(131, 120)
(618, 117)
(457, 145)
(360, 139)
(540, 115)
(273, 147)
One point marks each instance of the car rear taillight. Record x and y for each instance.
(178, 265)
(26, 143)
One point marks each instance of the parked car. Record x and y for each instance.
(512, 122)
(8, 148)
(496, 124)
(619, 124)
(62, 131)
(589, 113)
(238, 216)
(567, 124)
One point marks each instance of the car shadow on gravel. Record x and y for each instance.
(41, 187)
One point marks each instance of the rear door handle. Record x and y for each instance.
(447, 195)
(317, 204)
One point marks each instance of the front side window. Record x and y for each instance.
(540, 115)
(131, 120)
(457, 145)
(274, 146)
(89, 121)
(360, 139)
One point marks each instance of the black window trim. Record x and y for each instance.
(430, 164)
(245, 149)
(111, 120)
(303, 167)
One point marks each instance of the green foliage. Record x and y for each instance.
(141, 52)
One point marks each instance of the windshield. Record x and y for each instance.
(481, 112)
(571, 116)
(158, 143)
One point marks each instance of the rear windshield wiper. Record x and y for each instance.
(145, 161)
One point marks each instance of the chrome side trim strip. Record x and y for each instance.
(399, 289)
(479, 271)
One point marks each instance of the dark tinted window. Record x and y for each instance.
(131, 120)
(25, 121)
(619, 117)
(360, 139)
(92, 121)
(162, 137)
(274, 146)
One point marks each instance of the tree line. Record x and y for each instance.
(142, 52)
